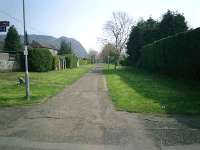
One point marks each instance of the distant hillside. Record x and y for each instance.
(53, 42)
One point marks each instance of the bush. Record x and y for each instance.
(84, 61)
(71, 60)
(177, 55)
(124, 62)
(40, 60)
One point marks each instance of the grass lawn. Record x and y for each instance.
(42, 85)
(135, 90)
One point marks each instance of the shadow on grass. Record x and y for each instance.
(175, 96)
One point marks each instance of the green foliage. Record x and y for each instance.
(55, 62)
(146, 32)
(12, 40)
(110, 51)
(134, 44)
(135, 90)
(143, 33)
(175, 55)
(1, 45)
(172, 23)
(124, 62)
(84, 61)
(43, 85)
(40, 60)
(65, 48)
(13, 44)
(71, 60)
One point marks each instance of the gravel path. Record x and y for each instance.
(82, 117)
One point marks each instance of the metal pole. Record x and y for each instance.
(26, 56)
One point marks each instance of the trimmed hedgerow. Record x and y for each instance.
(177, 55)
(71, 60)
(40, 60)
(84, 61)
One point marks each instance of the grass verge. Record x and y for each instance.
(42, 85)
(135, 90)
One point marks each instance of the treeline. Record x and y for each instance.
(40, 58)
(146, 32)
(165, 46)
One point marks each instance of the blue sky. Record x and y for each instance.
(84, 19)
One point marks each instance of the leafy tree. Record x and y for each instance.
(12, 40)
(143, 33)
(134, 44)
(65, 48)
(109, 50)
(150, 31)
(146, 32)
(172, 23)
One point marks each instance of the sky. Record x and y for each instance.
(84, 19)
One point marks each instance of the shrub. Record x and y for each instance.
(175, 55)
(71, 60)
(84, 61)
(40, 60)
(124, 62)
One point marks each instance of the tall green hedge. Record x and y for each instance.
(176, 55)
(40, 60)
(71, 60)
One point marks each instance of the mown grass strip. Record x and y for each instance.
(135, 90)
(43, 85)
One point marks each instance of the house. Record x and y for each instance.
(54, 52)
(8, 62)
(36, 44)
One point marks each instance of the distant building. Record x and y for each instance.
(54, 52)
(36, 44)
(8, 62)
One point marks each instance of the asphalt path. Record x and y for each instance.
(82, 117)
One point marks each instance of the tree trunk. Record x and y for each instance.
(116, 64)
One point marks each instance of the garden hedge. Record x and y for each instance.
(177, 55)
(40, 60)
(71, 60)
(84, 61)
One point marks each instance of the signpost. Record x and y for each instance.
(3, 25)
(26, 56)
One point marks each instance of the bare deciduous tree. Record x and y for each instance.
(93, 55)
(108, 50)
(117, 29)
